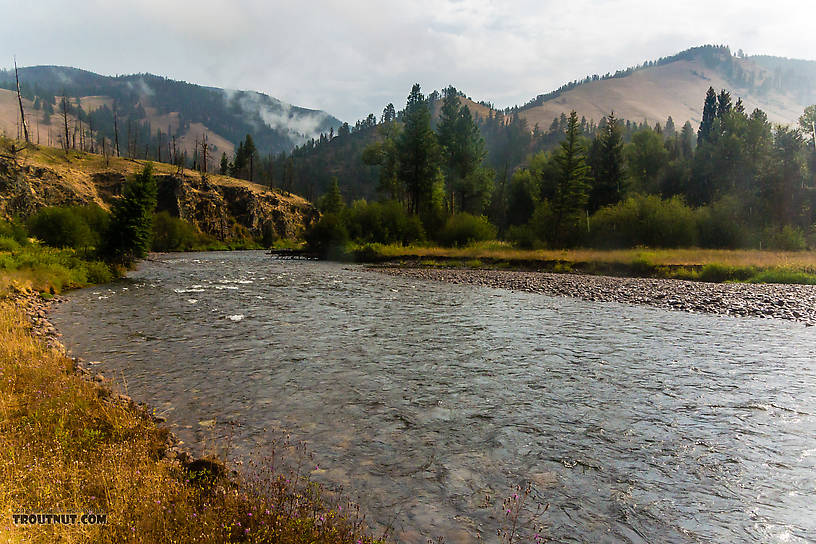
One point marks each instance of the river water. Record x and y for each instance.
(429, 402)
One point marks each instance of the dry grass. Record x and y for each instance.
(800, 260)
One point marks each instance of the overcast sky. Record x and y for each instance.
(352, 57)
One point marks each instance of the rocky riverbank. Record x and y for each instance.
(36, 310)
(793, 302)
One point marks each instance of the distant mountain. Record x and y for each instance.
(675, 86)
(146, 104)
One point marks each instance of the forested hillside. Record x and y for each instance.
(150, 117)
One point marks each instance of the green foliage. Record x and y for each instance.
(75, 226)
(59, 268)
(385, 223)
(463, 228)
(173, 234)
(418, 153)
(646, 158)
(131, 228)
(722, 224)
(644, 220)
(787, 238)
(332, 202)
(572, 188)
(608, 168)
(329, 236)
(8, 244)
(15, 231)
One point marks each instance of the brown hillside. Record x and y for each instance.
(677, 89)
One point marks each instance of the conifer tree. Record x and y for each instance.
(608, 167)
(130, 233)
(709, 114)
(418, 153)
(572, 187)
(332, 201)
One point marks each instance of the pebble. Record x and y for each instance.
(766, 300)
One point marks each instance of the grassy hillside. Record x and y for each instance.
(673, 87)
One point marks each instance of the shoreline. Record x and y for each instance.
(793, 302)
(126, 464)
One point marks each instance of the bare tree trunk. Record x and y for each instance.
(115, 130)
(204, 153)
(20, 101)
(65, 121)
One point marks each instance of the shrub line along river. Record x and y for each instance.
(429, 401)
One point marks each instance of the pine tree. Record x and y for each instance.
(418, 153)
(608, 167)
(224, 167)
(709, 114)
(571, 191)
(332, 201)
(129, 234)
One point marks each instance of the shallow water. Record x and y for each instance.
(433, 400)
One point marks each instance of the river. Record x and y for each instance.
(429, 401)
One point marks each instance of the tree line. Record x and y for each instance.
(738, 181)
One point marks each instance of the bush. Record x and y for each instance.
(8, 244)
(15, 231)
(67, 227)
(328, 237)
(644, 220)
(787, 238)
(524, 237)
(721, 225)
(173, 234)
(463, 228)
(383, 223)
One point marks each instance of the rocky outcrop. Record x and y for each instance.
(226, 209)
(25, 188)
(222, 207)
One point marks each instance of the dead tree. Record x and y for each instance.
(115, 130)
(20, 101)
(67, 141)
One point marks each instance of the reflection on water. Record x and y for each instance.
(424, 399)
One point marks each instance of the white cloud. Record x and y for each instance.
(351, 57)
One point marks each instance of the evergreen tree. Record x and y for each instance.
(224, 167)
(709, 114)
(418, 153)
(571, 191)
(463, 151)
(130, 233)
(608, 165)
(389, 114)
(332, 201)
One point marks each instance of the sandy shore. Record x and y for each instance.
(793, 302)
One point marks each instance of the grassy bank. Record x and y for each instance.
(71, 445)
(688, 263)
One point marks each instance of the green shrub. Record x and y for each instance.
(463, 228)
(8, 244)
(15, 231)
(98, 272)
(64, 227)
(787, 238)
(382, 222)
(644, 220)
(329, 236)
(524, 237)
(721, 225)
(173, 234)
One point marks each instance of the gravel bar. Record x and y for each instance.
(793, 302)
